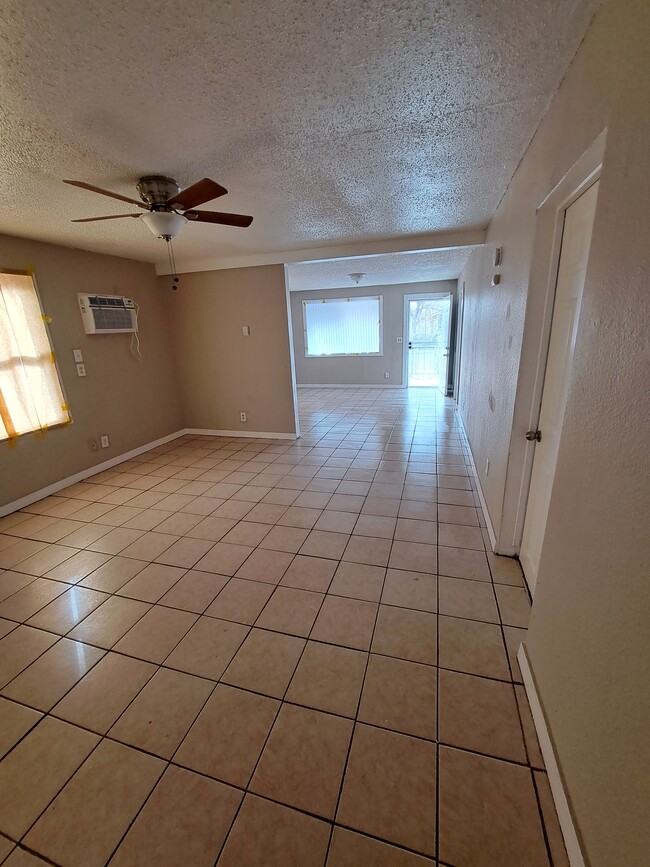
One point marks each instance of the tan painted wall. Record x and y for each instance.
(362, 370)
(223, 373)
(588, 640)
(133, 402)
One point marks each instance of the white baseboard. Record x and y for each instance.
(569, 832)
(28, 499)
(248, 434)
(336, 385)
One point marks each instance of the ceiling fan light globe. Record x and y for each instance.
(164, 223)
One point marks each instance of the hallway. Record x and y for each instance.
(258, 652)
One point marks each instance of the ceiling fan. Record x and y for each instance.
(168, 208)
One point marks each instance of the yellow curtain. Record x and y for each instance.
(31, 398)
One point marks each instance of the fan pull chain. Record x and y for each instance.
(172, 263)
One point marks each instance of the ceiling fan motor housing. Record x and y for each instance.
(157, 189)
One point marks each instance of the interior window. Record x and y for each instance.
(343, 326)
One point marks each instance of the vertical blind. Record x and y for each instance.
(343, 326)
(31, 398)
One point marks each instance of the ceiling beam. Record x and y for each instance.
(402, 244)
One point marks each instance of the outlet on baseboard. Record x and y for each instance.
(487, 467)
(105, 441)
(242, 416)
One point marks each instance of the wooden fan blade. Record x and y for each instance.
(198, 194)
(99, 190)
(112, 217)
(240, 220)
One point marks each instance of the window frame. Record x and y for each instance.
(46, 319)
(321, 300)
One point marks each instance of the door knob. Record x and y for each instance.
(534, 436)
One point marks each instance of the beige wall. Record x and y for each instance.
(360, 370)
(223, 373)
(134, 402)
(588, 640)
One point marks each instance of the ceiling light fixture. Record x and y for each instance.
(356, 276)
(164, 224)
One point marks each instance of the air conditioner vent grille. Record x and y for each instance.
(107, 314)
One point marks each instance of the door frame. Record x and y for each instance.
(536, 337)
(415, 296)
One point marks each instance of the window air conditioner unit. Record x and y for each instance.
(107, 314)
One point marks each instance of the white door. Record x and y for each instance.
(576, 237)
(428, 318)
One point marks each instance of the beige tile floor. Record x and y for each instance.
(258, 652)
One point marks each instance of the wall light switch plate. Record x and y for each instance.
(246, 331)
(78, 355)
(387, 375)
(105, 441)
(399, 339)
(81, 370)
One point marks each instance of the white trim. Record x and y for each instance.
(342, 385)
(292, 354)
(247, 434)
(481, 496)
(567, 823)
(404, 244)
(28, 499)
(535, 340)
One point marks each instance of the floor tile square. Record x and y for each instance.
(151, 583)
(243, 721)
(414, 556)
(410, 590)
(336, 522)
(472, 647)
(514, 605)
(15, 721)
(265, 662)
(287, 539)
(161, 715)
(194, 591)
(11, 582)
(266, 566)
(208, 647)
(460, 536)
(406, 634)
(185, 821)
(290, 611)
(488, 812)
(24, 603)
(400, 695)
(383, 761)
(269, 834)
(303, 760)
(49, 677)
(20, 648)
(67, 610)
(213, 528)
(463, 563)
(358, 581)
(375, 526)
(309, 573)
(155, 636)
(348, 622)
(241, 601)
(370, 551)
(78, 566)
(328, 678)
(100, 697)
(113, 784)
(410, 530)
(320, 543)
(35, 770)
(480, 715)
(474, 600)
(113, 574)
(108, 623)
(185, 553)
(224, 558)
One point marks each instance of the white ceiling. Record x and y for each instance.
(329, 121)
(383, 270)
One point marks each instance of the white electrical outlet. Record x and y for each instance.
(105, 441)
(78, 355)
(399, 339)
(487, 467)
(387, 375)
(81, 370)
(242, 416)
(246, 330)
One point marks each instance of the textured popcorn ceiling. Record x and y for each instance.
(383, 270)
(329, 121)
